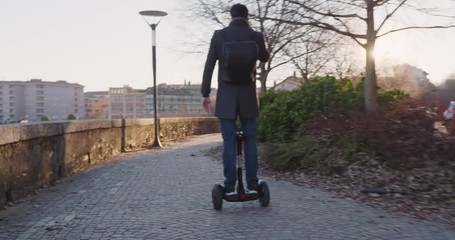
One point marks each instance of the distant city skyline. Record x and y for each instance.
(38, 100)
(105, 43)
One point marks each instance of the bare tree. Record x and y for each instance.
(287, 43)
(357, 19)
(311, 55)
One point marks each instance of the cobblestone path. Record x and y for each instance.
(165, 194)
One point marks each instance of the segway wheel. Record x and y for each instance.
(217, 197)
(264, 194)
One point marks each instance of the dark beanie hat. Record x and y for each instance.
(239, 10)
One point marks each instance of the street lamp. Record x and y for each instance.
(155, 17)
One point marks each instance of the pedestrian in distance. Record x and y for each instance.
(449, 118)
(236, 48)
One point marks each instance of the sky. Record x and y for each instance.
(106, 43)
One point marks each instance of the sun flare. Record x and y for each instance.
(386, 51)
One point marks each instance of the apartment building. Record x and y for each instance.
(177, 101)
(97, 105)
(32, 100)
(126, 102)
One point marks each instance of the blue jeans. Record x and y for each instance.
(228, 131)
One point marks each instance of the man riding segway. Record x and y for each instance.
(237, 49)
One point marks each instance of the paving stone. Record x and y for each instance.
(166, 194)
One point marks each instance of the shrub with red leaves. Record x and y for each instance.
(404, 137)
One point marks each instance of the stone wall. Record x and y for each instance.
(36, 155)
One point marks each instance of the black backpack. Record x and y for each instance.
(239, 59)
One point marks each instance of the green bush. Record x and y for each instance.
(71, 117)
(386, 99)
(283, 112)
(44, 118)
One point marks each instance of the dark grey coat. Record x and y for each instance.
(233, 100)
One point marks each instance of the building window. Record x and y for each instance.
(40, 86)
(40, 104)
(40, 92)
(39, 98)
(39, 110)
(11, 92)
(11, 98)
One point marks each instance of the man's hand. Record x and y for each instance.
(206, 103)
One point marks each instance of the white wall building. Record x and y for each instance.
(290, 83)
(34, 99)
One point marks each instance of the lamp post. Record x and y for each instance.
(156, 16)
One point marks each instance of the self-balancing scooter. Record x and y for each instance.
(219, 193)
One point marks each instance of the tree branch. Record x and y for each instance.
(415, 27)
(327, 14)
(209, 11)
(380, 2)
(390, 14)
(287, 61)
(327, 26)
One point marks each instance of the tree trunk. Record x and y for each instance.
(371, 99)
(305, 78)
(263, 78)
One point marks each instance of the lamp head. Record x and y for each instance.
(154, 16)
(153, 13)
